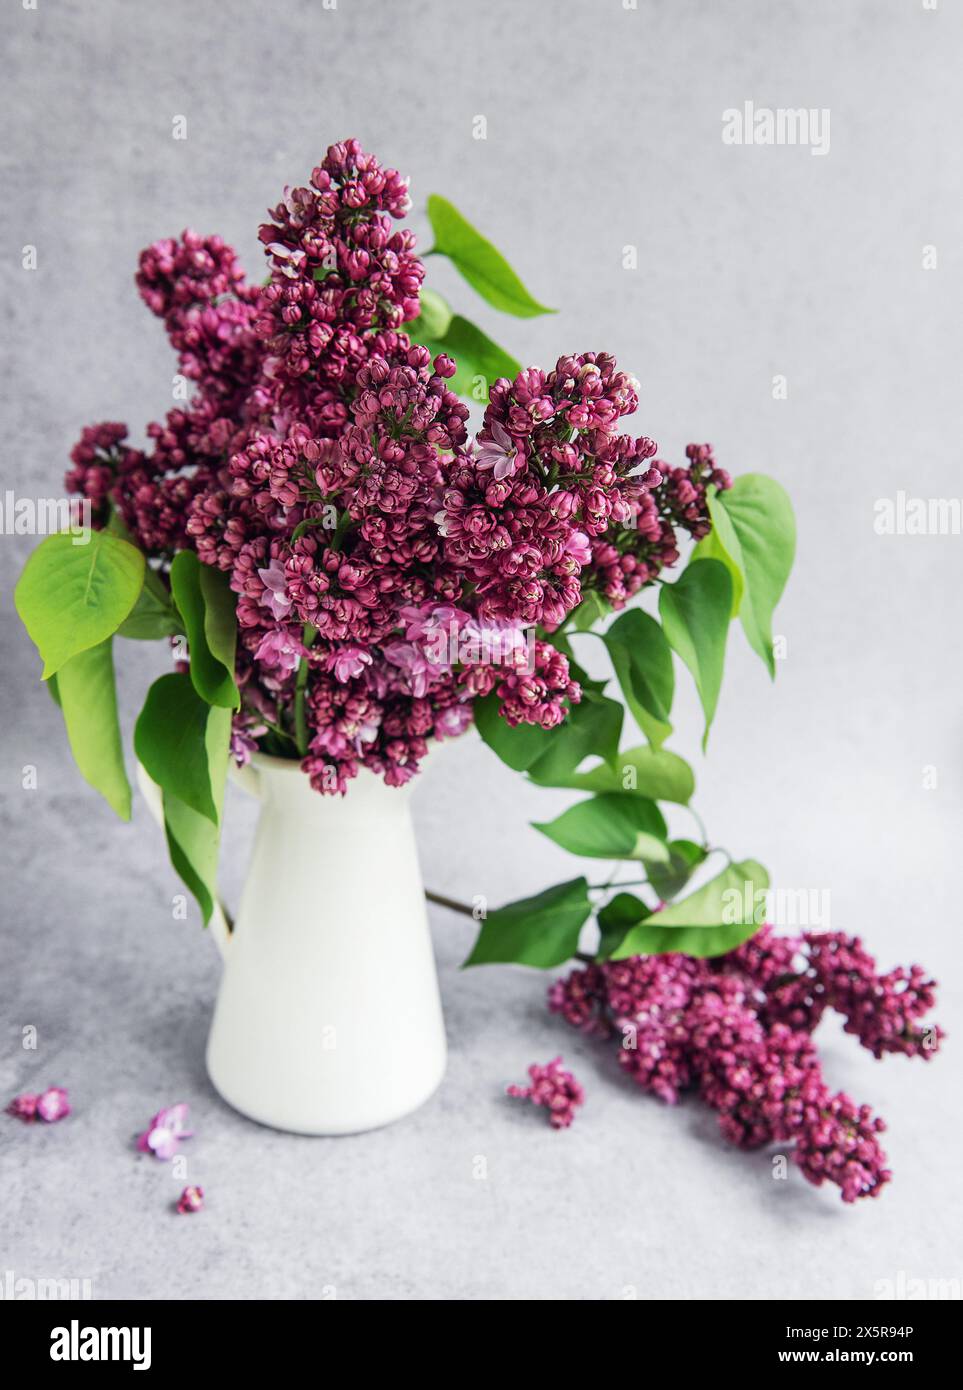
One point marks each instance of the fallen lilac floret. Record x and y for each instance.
(163, 1135)
(50, 1105)
(190, 1200)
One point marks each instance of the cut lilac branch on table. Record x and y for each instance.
(737, 1031)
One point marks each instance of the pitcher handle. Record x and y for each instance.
(153, 796)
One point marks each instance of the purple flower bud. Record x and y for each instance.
(190, 1200)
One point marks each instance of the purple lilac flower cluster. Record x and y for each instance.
(631, 556)
(554, 1088)
(738, 1031)
(323, 463)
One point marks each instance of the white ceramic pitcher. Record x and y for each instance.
(328, 1019)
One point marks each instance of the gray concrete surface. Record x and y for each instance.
(604, 130)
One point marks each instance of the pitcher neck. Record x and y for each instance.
(284, 787)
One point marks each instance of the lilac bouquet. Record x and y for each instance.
(346, 574)
(384, 564)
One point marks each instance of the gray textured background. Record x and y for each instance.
(603, 130)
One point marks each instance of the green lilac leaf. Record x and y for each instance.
(192, 842)
(593, 726)
(668, 880)
(171, 740)
(542, 931)
(87, 695)
(207, 607)
(220, 619)
(711, 548)
(623, 911)
(519, 747)
(695, 613)
(477, 260)
(151, 617)
(754, 523)
(613, 825)
(709, 922)
(71, 597)
(642, 659)
(433, 320)
(644, 771)
(591, 610)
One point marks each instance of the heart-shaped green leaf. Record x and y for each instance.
(87, 695)
(594, 725)
(542, 931)
(151, 617)
(518, 746)
(685, 856)
(590, 611)
(695, 613)
(220, 619)
(625, 910)
(206, 604)
(193, 842)
(182, 742)
(473, 255)
(642, 659)
(433, 320)
(652, 772)
(711, 548)
(76, 589)
(753, 522)
(716, 918)
(611, 826)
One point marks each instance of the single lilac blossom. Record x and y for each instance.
(453, 721)
(275, 582)
(500, 453)
(53, 1104)
(163, 1135)
(347, 663)
(278, 648)
(413, 664)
